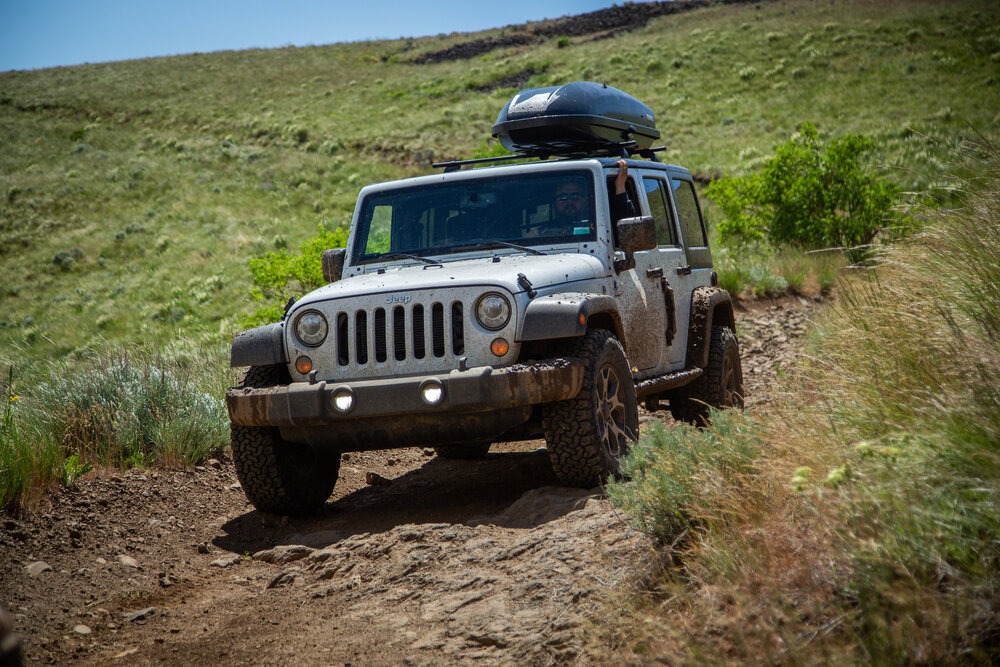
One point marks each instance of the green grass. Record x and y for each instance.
(869, 527)
(133, 194)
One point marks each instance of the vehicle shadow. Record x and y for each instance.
(441, 491)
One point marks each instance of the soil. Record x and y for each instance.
(414, 559)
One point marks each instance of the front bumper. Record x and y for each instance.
(483, 389)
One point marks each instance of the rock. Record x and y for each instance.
(375, 479)
(226, 561)
(81, 629)
(38, 567)
(214, 463)
(287, 577)
(128, 561)
(283, 554)
(202, 548)
(139, 614)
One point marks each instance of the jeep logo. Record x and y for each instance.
(395, 298)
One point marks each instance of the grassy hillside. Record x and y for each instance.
(134, 193)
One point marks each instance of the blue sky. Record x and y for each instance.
(49, 33)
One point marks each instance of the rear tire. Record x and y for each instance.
(587, 436)
(278, 476)
(720, 386)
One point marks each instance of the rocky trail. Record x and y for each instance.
(414, 560)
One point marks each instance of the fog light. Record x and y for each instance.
(432, 392)
(304, 364)
(342, 400)
(499, 347)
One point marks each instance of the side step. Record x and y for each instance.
(662, 383)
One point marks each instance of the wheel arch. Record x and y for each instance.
(570, 315)
(710, 306)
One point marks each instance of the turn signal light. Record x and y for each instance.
(304, 364)
(499, 347)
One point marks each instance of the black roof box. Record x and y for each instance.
(577, 118)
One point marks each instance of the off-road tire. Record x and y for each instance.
(277, 476)
(473, 451)
(721, 385)
(588, 435)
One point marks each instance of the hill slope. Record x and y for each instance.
(134, 193)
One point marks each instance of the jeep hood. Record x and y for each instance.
(499, 270)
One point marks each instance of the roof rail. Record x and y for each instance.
(625, 149)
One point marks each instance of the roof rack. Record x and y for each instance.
(625, 149)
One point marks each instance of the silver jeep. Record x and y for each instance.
(489, 304)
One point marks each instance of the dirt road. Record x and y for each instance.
(414, 560)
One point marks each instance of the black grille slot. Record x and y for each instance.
(361, 336)
(380, 355)
(399, 332)
(457, 329)
(343, 340)
(437, 329)
(419, 348)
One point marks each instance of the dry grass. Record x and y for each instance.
(869, 530)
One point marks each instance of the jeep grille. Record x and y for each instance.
(414, 331)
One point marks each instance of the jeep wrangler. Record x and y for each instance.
(496, 302)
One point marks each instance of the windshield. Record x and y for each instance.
(523, 210)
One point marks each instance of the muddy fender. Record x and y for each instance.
(566, 315)
(709, 306)
(261, 346)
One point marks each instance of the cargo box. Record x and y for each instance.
(576, 118)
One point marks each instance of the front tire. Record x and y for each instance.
(587, 436)
(278, 476)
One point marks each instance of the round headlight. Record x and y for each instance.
(493, 311)
(311, 328)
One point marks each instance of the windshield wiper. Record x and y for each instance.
(406, 255)
(486, 245)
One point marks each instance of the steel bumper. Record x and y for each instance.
(474, 390)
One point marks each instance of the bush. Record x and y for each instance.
(280, 275)
(117, 414)
(809, 195)
(684, 477)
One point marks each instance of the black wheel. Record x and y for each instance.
(588, 435)
(721, 386)
(279, 476)
(472, 451)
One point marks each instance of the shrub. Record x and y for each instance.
(117, 414)
(809, 194)
(683, 477)
(281, 275)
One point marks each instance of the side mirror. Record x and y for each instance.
(635, 234)
(333, 264)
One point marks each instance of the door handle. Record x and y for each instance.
(684, 270)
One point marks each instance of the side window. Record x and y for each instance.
(659, 207)
(690, 214)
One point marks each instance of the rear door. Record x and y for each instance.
(664, 267)
(696, 269)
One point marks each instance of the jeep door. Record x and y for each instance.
(696, 271)
(666, 266)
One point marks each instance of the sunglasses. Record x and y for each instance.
(570, 196)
